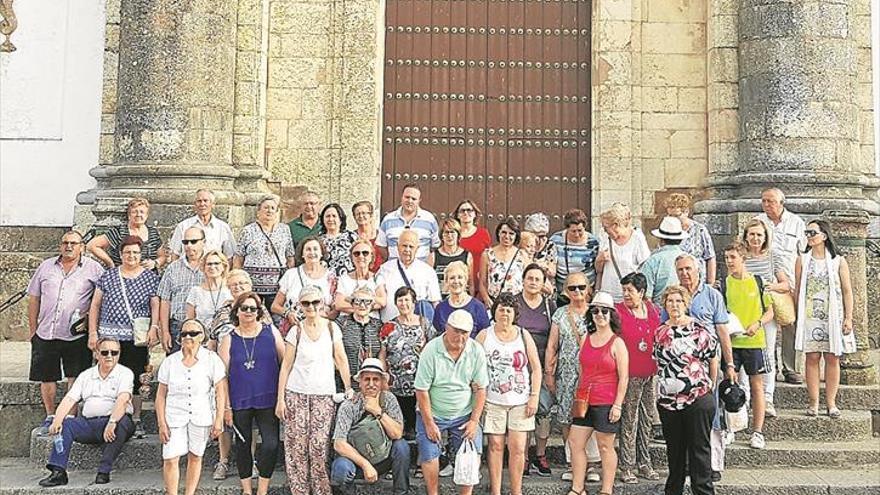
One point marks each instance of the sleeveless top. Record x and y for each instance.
(599, 372)
(508, 363)
(504, 276)
(441, 261)
(253, 370)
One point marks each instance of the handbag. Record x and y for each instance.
(581, 403)
(467, 465)
(423, 307)
(368, 437)
(783, 308)
(140, 326)
(266, 278)
(80, 326)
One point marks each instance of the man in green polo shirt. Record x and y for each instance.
(307, 224)
(448, 367)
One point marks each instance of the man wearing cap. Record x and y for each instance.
(373, 399)
(451, 391)
(659, 268)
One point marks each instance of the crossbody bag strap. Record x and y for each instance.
(272, 246)
(506, 272)
(613, 259)
(403, 275)
(125, 296)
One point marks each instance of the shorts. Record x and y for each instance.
(597, 418)
(498, 419)
(189, 438)
(430, 450)
(542, 427)
(48, 357)
(134, 358)
(753, 360)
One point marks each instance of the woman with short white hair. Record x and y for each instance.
(621, 250)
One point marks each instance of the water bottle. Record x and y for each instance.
(59, 443)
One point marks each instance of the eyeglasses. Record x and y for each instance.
(106, 353)
(604, 311)
(313, 304)
(190, 335)
(466, 210)
(811, 233)
(360, 253)
(186, 242)
(577, 288)
(361, 302)
(214, 263)
(450, 232)
(248, 309)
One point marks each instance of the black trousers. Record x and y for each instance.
(687, 434)
(267, 455)
(408, 408)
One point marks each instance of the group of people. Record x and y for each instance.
(367, 342)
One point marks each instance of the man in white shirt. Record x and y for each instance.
(408, 217)
(218, 234)
(788, 241)
(407, 270)
(105, 390)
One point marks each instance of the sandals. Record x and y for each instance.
(628, 477)
(812, 411)
(834, 413)
(582, 492)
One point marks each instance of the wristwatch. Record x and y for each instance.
(379, 416)
(111, 420)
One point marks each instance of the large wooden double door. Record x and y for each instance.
(488, 100)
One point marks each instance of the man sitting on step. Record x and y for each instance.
(105, 391)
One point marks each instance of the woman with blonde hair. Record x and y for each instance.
(205, 299)
(621, 251)
(363, 276)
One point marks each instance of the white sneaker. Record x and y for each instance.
(770, 410)
(593, 475)
(567, 476)
(447, 471)
(757, 440)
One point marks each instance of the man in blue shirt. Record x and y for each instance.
(408, 216)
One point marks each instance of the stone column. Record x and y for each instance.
(174, 117)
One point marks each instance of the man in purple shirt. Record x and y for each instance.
(59, 295)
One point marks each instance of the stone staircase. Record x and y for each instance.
(804, 455)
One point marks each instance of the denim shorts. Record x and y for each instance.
(430, 450)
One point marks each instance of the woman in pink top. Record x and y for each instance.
(639, 319)
(604, 372)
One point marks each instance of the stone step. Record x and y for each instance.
(20, 478)
(796, 425)
(851, 397)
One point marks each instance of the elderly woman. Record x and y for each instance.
(205, 299)
(762, 262)
(639, 318)
(684, 350)
(604, 374)
(362, 211)
(265, 249)
(502, 265)
(825, 313)
(567, 333)
(472, 238)
(107, 247)
(402, 339)
(698, 242)
(238, 282)
(362, 253)
(360, 330)
(449, 251)
(309, 272)
(456, 277)
(621, 253)
(545, 251)
(336, 239)
(190, 402)
(305, 394)
(576, 250)
(512, 394)
(252, 355)
(124, 306)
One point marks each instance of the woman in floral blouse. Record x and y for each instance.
(684, 349)
(337, 241)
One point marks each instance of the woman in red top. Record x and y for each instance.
(604, 373)
(639, 319)
(472, 238)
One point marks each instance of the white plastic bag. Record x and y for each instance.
(467, 464)
(737, 421)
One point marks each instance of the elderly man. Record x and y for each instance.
(451, 391)
(659, 268)
(414, 273)
(372, 400)
(409, 217)
(307, 224)
(218, 235)
(788, 241)
(105, 391)
(59, 295)
(180, 276)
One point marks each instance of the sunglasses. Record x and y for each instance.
(313, 304)
(186, 242)
(106, 353)
(361, 302)
(466, 210)
(604, 311)
(811, 233)
(190, 334)
(577, 288)
(358, 254)
(248, 309)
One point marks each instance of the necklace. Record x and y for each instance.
(249, 362)
(215, 302)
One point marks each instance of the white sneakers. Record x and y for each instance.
(770, 410)
(757, 441)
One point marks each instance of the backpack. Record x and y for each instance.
(368, 437)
